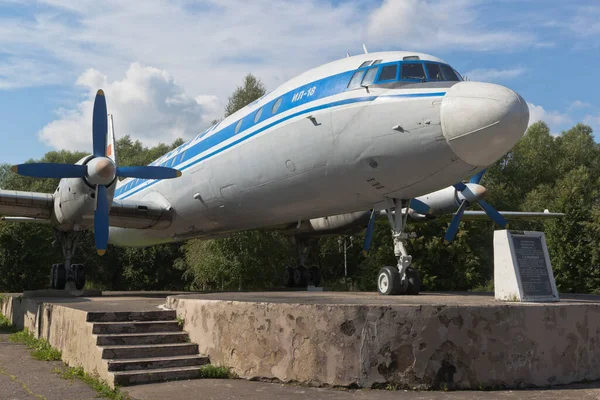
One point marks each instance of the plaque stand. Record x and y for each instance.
(522, 269)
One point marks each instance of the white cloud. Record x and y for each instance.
(554, 119)
(433, 24)
(593, 121)
(494, 75)
(147, 104)
(578, 104)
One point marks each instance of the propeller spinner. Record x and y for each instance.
(100, 171)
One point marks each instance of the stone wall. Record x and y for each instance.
(418, 346)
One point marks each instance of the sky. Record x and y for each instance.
(168, 67)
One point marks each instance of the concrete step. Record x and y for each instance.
(150, 350)
(122, 316)
(128, 378)
(119, 339)
(103, 328)
(156, 363)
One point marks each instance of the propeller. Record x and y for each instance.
(369, 233)
(468, 198)
(100, 171)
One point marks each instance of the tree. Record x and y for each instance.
(252, 89)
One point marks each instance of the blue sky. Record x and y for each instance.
(168, 67)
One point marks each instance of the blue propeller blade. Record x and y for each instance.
(101, 220)
(453, 228)
(477, 178)
(419, 207)
(148, 172)
(460, 186)
(493, 214)
(99, 124)
(369, 233)
(50, 170)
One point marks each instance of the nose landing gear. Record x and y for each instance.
(301, 276)
(402, 279)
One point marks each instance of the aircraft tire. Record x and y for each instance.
(60, 277)
(414, 281)
(300, 276)
(288, 277)
(79, 276)
(315, 276)
(388, 281)
(53, 277)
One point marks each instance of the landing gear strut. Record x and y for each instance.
(301, 276)
(402, 279)
(67, 274)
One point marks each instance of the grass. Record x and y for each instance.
(210, 371)
(6, 326)
(180, 322)
(40, 348)
(100, 386)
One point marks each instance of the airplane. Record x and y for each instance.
(329, 149)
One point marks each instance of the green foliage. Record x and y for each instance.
(251, 89)
(6, 326)
(40, 348)
(210, 371)
(100, 386)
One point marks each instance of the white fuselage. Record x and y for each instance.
(327, 150)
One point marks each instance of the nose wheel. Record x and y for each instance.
(61, 274)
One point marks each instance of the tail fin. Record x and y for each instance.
(110, 140)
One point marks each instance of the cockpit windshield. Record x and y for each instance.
(410, 71)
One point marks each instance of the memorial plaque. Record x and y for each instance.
(531, 260)
(522, 269)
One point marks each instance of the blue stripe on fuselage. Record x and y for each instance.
(322, 88)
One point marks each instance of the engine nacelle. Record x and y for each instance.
(447, 200)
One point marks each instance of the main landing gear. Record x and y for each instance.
(67, 275)
(403, 278)
(301, 276)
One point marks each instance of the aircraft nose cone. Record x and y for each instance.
(482, 121)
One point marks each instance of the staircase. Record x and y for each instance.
(145, 347)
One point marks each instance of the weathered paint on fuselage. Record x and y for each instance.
(328, 150)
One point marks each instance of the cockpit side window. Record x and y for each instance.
(376, 62)
(366, 63)
(434, 72)
(450, 74)
(356, 78)
(369, 76)
(412, 71)
(388, 73)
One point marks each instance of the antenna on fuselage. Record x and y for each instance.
(347, 55)
(365, 49)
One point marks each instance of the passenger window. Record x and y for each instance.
(181, 158)
(369, 76)
(257, 116)
(449, 73)
(355, 80)
(238, 126)
(366, 63)
(276, 106)
(435, 72)
(388, 73)
(412, 71)
(376, 62)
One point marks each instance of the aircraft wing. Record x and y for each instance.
(26, 205)
(18, 206)
(140, 215)
(512, 215)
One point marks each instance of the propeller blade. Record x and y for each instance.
(50, 170)
(453, 228)
(369, 233)
(493, 214)
(99, 124)
(477, 178)
(419, 206)
(460, 186)
(101, 220)
(148, 172)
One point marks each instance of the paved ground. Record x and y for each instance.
(25, 378)
(209, 389)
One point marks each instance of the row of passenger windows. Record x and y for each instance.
(408, 71)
